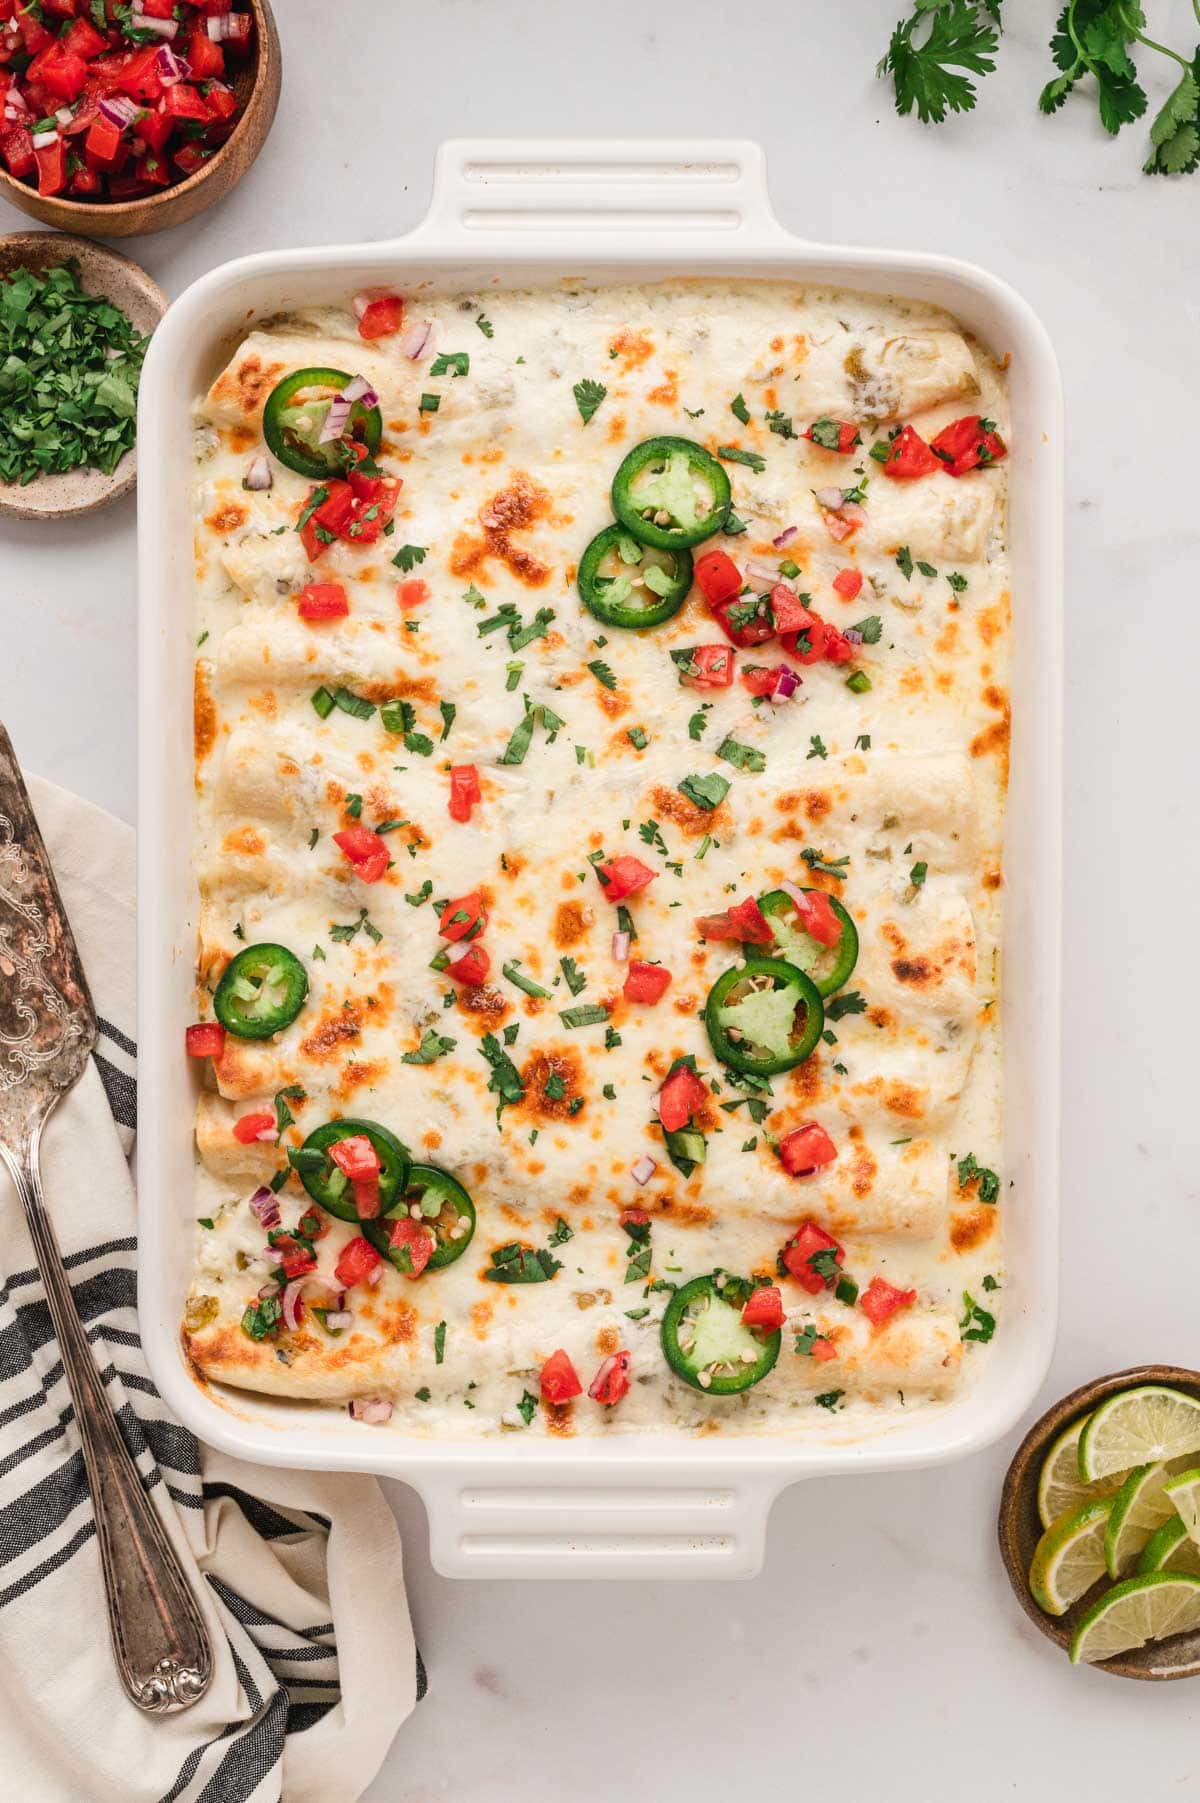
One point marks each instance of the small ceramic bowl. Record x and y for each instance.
(256, 81)
(1020, 1526)
(121, 281)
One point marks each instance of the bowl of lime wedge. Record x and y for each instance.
(1100, 1523)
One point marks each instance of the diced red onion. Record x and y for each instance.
(293, 1303)
(375, 1276)
(833, 498)
(170, 68)
(267, 1136)
(336, 420)
(853, 636)
(796, 894)
(112, 354)
(162, 28)
(853, 512)
(356, 388)
(42, 138)
(786, 684)
(620, 948)
(373, 1409)
(785, 537)
(221, 25)
(265, 1204)
(118, 110)
(360, 303)
(644, 1169)
(64, 115)
(761, 575)
(415, 338)
(268, 1290)
(258, 474)
(338, 1319)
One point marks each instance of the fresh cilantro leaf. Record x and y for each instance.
(739, 409)
(851, 1002)
(706, 791)
(780, 423)
(989, 1183)
(576, 979)
(1175, 133)
(904, 562)
(433, 1046)
(976, 1323)
(751, 459)
(408, 555)
(699, 721)
(485, 326)
(927, 49)
(637, 737)
(871, 629)
(602, 673)
(447, 710)
(817, 746)
(742, 757)
(588, 396)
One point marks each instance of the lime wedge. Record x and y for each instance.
(1069, 1557)
(1150, 1607)
(1139, 1506)
(1170, 1548)
(1060, 1486)
(1138, 1427)
(1183, 1493)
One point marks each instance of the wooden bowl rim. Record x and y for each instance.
(61, 247)
(1021, 1480)
(121, 210)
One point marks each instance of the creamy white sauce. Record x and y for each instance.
(277, 773)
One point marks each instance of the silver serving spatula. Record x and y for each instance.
(47, 1031)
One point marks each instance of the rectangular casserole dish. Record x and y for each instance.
(526, 215)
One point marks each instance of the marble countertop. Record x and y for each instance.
(883, 1601)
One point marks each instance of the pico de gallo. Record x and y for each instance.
(109, 101)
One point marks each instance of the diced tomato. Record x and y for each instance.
(374, 504)
(16, 147)
(679, 1098)
(103, 143)
(838, 648)
(153, 170)
(805, 1149)
(221, 101)
(322, 601)
(611, 1382)
(158, 9)
(297, 1260)
(646, 982)
(382, 318)
(810, 1239)
(139, 76)
(155, 127)
(239, 32)
(968, 443)
(788, 610)
(745, 622)
(415, 1239)
(83, 40)
(412, 593)
(624, 876)
(744, 922)
(367, 1201)
(313, 1224)
(34, 36)
(843, 522)
(204, 58)
(355, 1156)
(764, 1309)
(818, 918)
(717, 577)
(190, 157)
(880, 1300)
(909, 457)
(848, 438)
(52, 168)
(811, 633)
(823, 1350)
(57, 9)
(358, 1259)
(560, 1380)
(848, 584)
(472, 968)
(183, 101)
(366, 851)
(760, 679)
(206, 1039)
(465, 792)
(711, 667)
(250, 1126)
(85, 181)
(634, 1217)
(463, 918)
(331, 516)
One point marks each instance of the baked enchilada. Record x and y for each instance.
(601, 735)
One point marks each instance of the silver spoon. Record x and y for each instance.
(47, 1031)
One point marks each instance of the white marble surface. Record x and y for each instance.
(880, 1652)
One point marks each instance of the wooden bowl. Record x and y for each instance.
(1020, 1527)
(121, 281)
(256, 81)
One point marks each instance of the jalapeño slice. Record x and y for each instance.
(829, 966)
(706, 1342)
(670, 493)
(446, 1210)
(763, 1016)
(262, 991)
(296, 411)
(625, 583)
(330, 1186)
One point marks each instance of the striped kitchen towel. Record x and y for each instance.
(299, 1574)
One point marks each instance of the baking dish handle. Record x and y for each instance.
(705, 189)
(632, 1523)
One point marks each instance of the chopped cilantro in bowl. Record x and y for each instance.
(70, 362)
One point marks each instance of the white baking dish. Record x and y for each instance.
(522, 214)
